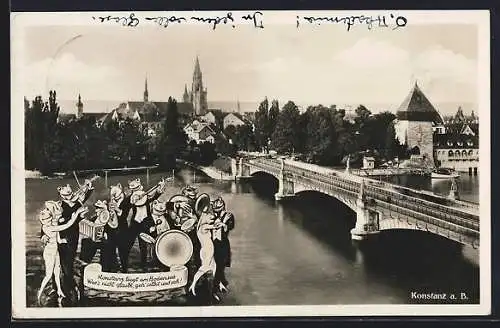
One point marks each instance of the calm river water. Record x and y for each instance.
(300, 251)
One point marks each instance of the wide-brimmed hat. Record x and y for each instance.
(159, 208)
(190, 191)
(65, 191)
(218, 204)
(137, 196)
(135, 184)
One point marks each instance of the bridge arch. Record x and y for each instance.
(377, 207)
(299, 188)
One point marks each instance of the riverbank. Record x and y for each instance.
(32, 174)
(210, 171)
(219, 170)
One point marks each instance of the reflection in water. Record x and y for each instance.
(281, 216)
(234, 187)
(468, 185)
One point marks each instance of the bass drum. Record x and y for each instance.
(174, 248)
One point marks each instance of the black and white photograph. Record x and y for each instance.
(250, 163)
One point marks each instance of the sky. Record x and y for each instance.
(326, 65)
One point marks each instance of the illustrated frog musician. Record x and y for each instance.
(141, 210)
(109, 243)
(223, 224)
(70, 203)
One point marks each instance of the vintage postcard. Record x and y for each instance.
(256, 163)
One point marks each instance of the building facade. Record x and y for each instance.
(457, 147)
(209, 118)
(200, 132)
(234, 120)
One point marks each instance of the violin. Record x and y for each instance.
(84, 188)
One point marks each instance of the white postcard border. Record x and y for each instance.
(19, 309)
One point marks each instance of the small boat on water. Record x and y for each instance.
(443, 173)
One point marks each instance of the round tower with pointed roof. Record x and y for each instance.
(415, 120)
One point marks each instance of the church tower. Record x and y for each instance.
(79, 107)
(416, 118)
(186, 97)
(146, 94)
(198, 93)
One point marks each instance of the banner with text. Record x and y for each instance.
(94, 277)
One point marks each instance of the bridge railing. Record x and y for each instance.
(427, 207)
(375, 191)
(449, 227)
(399, 207)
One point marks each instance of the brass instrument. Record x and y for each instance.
(152, 189)
(83, 189)
(202, 205)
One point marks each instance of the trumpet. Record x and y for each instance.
(83, 188)
(155, 187)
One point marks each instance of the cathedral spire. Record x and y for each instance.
(146, 94)
(197, 69)
(198, 92)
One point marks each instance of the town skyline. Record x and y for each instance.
(278, 64)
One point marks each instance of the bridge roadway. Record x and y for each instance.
(453, 218)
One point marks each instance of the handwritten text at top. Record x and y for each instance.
(257, 18)
(132, 20)
(380, 21)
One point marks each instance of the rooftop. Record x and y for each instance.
(416, 107)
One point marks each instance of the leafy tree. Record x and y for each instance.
(391, 142)
(375, 129)
(29, 137)
(362, 115)
(321, 136)
(285, 137)
(273, 117)
(41, 121)
(262, 124)
(207, 153)
(222, 145)
(219, 118)
(244, 137)
(173, 139)
(230, 131)
(393, 147)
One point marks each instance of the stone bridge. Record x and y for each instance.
(378, 205)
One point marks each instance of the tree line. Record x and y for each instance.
(53, 145)
(322, 135)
